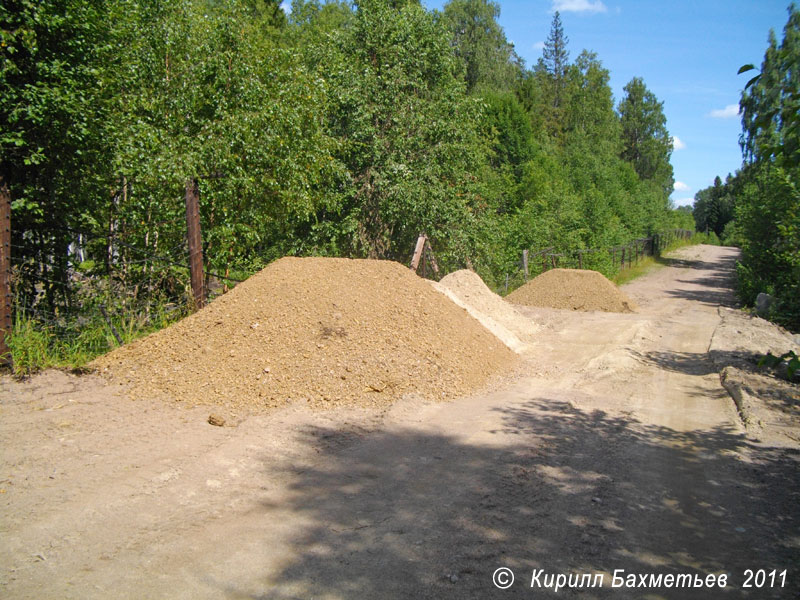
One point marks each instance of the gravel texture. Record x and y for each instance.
(322, 330)
(572, 289)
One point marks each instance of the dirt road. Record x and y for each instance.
(614, 448)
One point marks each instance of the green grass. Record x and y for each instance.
(644, 266)
(651, 263)
(35, 346)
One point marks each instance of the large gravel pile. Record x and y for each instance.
(468, 290)
(573, 289)
(322, 330)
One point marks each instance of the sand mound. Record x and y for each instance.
(322, 330)
(468, 290)
(573, 289)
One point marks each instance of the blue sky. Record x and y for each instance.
(687, 52)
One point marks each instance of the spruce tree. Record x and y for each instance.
(556, 57)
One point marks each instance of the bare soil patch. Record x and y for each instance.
(614, 446)
(768, 403)
(573, 289)
(324, 330)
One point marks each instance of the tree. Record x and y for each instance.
(542, 90)
(480, 43)
(312, 21)
(589, 112)
(203, 90)
(768, 220)
(410, 137)
(770, 103)
(52, 130)
(768, 203)
(508, 133)
(555, 54)
(714, 207)
(646, 143)
(556, 59)
(268, 13)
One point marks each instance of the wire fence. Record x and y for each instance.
(607, 260)
(149, 273)
(74, 300)
(133, 301)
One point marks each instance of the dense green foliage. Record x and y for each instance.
(759, 208)
(52, 129)
(647, 143)
(340, 129)
(713, 207)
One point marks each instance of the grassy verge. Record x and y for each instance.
(644, 266)
(72, 344)
(650, 263)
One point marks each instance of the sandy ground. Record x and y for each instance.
(614, 447)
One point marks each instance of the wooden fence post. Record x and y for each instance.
(525, 263)
(418, 251)
(429, 257)
(195, 242)
(5, 272)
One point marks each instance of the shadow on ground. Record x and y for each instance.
(701, 363)
(715, 289)
(421, 515)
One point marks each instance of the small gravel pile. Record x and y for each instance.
(573, 289)
(322, 330)
(468, 290)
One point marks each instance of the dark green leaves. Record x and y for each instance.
(790, 358)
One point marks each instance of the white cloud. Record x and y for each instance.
(684, 202)
(538, 46)
(592, 6)
(677, 143)
(729, 112)
(681, 187)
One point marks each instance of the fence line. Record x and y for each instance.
(622, 256)
(133, 301)
(138, 296)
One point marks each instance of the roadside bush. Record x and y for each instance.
(731, 235)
